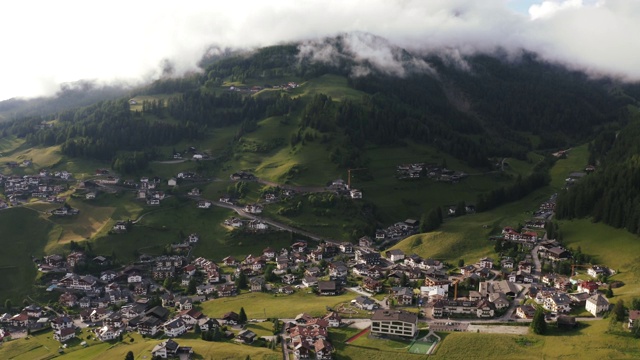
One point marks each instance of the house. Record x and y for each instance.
(372, 285)
(597, 270)
(395, 255)
(62, 322)
(107, 333)
(355, 194)
(229, 261)
(597, 304)
(402, 295)
(253, 209)
(558, 302)
(394, 322)
(68, 299)
(120, 226)
(175, 327)
(328, 288)
(149, 325)
(346, 247)
(310, 281)
(207, 324)
(588, 286)
(204, 204)
(364, 303)
(324, 350)
(172, 182)
(184, 303)
(165, 349)
(499, 300)
(486, 263)
(246, 336)
(231, 318)
(64, 335)
(525, 312)
(333, 318)
(257, 284)
(634, 315)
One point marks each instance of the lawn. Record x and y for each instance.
(263, 305)
(615, 248)
(592, 342)
(368, 348)
(23, 233)
(42, 346)
(331, 85)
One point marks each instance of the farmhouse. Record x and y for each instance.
(597, 304)
(394, 322)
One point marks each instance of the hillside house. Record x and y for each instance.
(597, 304)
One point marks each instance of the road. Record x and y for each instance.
(536, 259)
(240, 211)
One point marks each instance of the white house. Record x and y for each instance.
(197, 157)
(597, 304)
(172, 182)
(175, 327)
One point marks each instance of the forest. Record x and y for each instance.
(495, 108)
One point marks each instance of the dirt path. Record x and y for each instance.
(354, 337)
(499, 329)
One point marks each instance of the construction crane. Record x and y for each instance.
(349, 177)
(455, 289)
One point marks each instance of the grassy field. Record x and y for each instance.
(23, 233)
(615, 248)
(590, 342)
(263, 305)
(576, 161)
(331, 85)
(366, 348)
(42, 346)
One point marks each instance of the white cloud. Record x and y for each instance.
(45, 43)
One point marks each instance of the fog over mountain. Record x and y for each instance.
(49, 43)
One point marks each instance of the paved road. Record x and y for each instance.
(239, 210)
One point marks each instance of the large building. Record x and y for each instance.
(394, 322)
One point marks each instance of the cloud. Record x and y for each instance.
(47, 43)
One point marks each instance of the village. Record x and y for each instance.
(394, 294)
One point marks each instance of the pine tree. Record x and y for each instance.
(618, 310)
(129, 356)
(539, 325)
(8, 305)
(241, 281)
(242, 316)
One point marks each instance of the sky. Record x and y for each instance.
(46, 43)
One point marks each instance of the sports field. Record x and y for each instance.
(420, 347)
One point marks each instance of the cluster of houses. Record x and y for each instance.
(431, 171)
(255, 224)
(18, 189)
(397, 231)
(308, 336)
(254, 89)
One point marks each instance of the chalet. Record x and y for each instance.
(120, 226)
(269, 253)
(525, 267)
(258, 225)
(371, 285)
(226, 290)
(466, 271)
(365, 241)
(288, 290)
(64, 335)
(559, 302)
(525, 312)
(597, 270)
(395, 255)
(346, 247)
(355, 194)
(207, 324)
(149, 325)
(90, 196)
(62, 322)
(299, 247)
(175, 327)
(184, 303)
(588, 286)
(257, 284)
(107, 333)
(33, 311)
(253, 209)
(634, 315)
(247, 336)
(499, 300)
(204, 204)
(507, 264)
(77, 282)
(229, 261)
(333, 319)
(338, 269)
(324, 350)
(328, 288)
(402, 295)
(68, 299)
(231, 318)
(597, 304)
(486, 263)
(557, 254)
